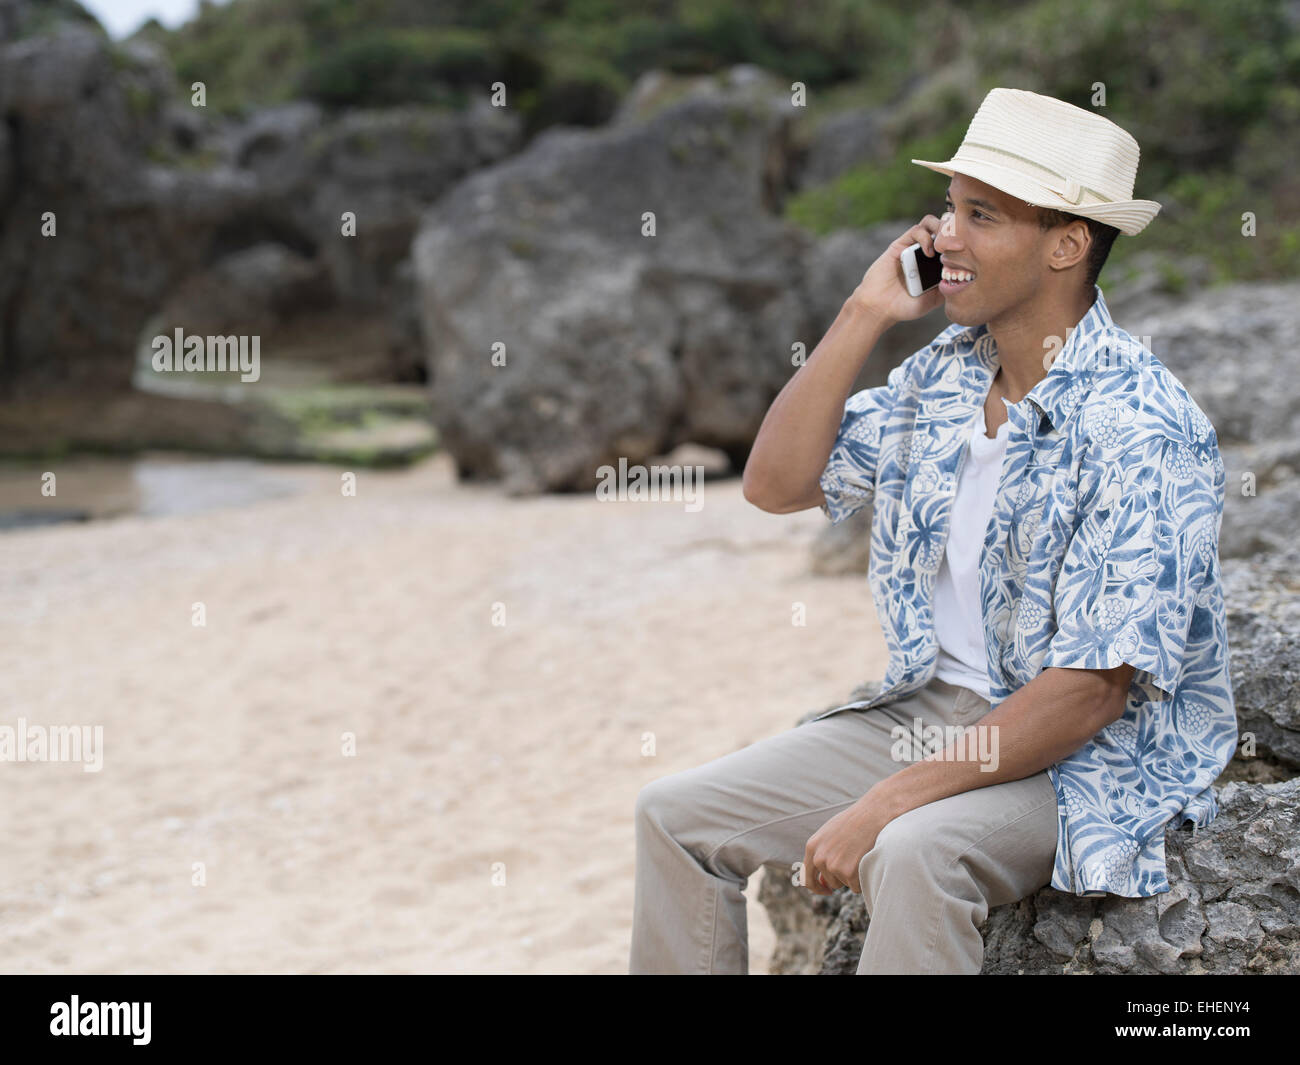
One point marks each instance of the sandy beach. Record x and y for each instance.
(484, 823)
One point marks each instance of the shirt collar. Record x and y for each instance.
(1066, 381)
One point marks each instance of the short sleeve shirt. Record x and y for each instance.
(1102, 549)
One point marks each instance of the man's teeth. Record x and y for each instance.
(957, 275)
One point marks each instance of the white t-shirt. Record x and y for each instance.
(958, 613)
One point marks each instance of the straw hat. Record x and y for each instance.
(1053, 154)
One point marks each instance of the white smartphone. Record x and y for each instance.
(921, 271)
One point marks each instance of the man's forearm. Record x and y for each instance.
(795, 439)
(1047, 720)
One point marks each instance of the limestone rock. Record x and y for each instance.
(1263, 609)
(1233, 907)
(617, 343)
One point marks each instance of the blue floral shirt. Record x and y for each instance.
(1103, 548)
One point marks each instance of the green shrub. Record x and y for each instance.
(575, 90)
(874, 193)
(1208, 87)
(384, 66)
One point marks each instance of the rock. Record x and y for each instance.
(99, 139)
(822, 148)
(843, 549)
(616, 344)
(1263, 610)
(404, 343)
(82, 114)
(1233, 907)
(26, 519)
(647, 94)
(1261, 506)
(711, 461)
(1152, 281)
(23, 18)
(840, 142)
(249, 291)
(373, 426)
(1230, 346)
(656, 90)
(272, 145)
(386, 166)
(381, 166)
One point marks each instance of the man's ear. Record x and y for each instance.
(1072, 245)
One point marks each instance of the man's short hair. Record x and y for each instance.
(1103, 236)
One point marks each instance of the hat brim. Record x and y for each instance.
(1128, 216)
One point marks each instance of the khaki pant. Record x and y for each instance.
(928, 883)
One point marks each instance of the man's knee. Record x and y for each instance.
(907, 857)
(692, 810)
(662, 802)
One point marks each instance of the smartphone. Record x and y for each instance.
(922, 271)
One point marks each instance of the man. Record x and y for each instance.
(1046, 502)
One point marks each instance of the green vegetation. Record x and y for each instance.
(565, 61)
(46, 15)
(386, 66)
(1210, 88)
(870, 194)
(368, 425)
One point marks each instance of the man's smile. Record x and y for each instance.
(954, 278)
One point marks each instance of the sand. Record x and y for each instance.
(484, 823)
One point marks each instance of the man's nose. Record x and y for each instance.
(947, 230)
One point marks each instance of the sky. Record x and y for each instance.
(123, 17)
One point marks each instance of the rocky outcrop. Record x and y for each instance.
(1233, 907)
(1231, 346)
(620, 344)
(637, 285)
(842, 141)
(92, 235)
(843, 549)
(1262, 596)
(383, 167)
(116, 196)
(253, 290)
(375, 425)
(638, 288)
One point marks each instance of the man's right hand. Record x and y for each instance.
(883, 289)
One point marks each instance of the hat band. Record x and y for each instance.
(1065, 187)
